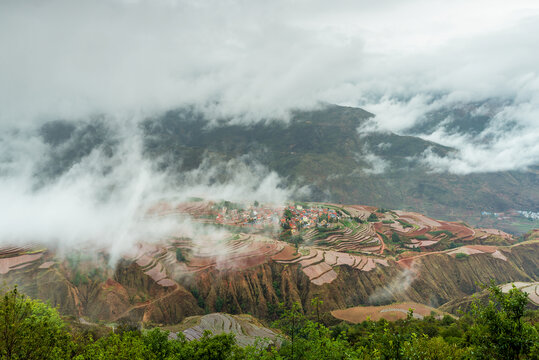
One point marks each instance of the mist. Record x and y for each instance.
(396, 288)
(102, 198)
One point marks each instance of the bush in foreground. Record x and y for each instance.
(30, 329)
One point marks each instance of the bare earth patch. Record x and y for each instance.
(390, 312)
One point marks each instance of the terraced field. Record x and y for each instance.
(531, 288)
(192, 208)
(354, 238)
(423, 232)
(390, 312)
(160, 262)
(479, 249)
(245, 328)
(215, 264)
(18, 257)
(319, 264)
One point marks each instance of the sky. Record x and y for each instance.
(248, 61)
(257, 59)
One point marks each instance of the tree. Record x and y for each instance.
(179, 255)
(288, 214)
(372, 217)
(315, 303)
(218, 347)
(499, 331)
(158, 343)
(291, 322)
(310, 340)
(129, 345)
(425, 348)
(297, 239)
(395, 238)
(30, 329)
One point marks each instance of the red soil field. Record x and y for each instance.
(390, 312)
(288, 253)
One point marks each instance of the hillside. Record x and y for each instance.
(326, 150)
(323, 149)
(463, 304)
(348, 256)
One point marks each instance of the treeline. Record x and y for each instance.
(500, 329)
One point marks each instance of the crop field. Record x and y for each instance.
(318, 237)
(390, 312)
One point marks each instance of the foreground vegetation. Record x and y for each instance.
(501, 329)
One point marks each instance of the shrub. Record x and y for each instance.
(372, 217)
(395, 238)
(405, 224)
(499, 331)
(179, 255)
(31, 329)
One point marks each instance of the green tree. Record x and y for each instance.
(315, 303)
(372, 217)
(288, 214)
(291, 322)
(157, 342)
(425, 348)
(314, 342)
(179, 255)
(297, 239)
(127, 346)
(218, 347)
(30, 329)
(499, 331)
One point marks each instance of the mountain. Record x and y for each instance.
(464, 119)
(329, 150)
(326, 150)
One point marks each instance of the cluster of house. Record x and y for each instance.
(254, 216)
(512, 213)
(290, 217)
(529, 214)
(296, 217)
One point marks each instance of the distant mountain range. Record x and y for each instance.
(324, 150)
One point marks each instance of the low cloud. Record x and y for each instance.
(396, 289)
(375, 163)
(508, 143)
(102, 201)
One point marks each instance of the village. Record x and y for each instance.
(253, 216)
(294, 217)
(297, 217)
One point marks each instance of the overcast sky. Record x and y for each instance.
(256, 57)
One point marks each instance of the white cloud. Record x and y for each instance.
(497, 148)
(375, 164)
(255, 59)
(102, 201)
